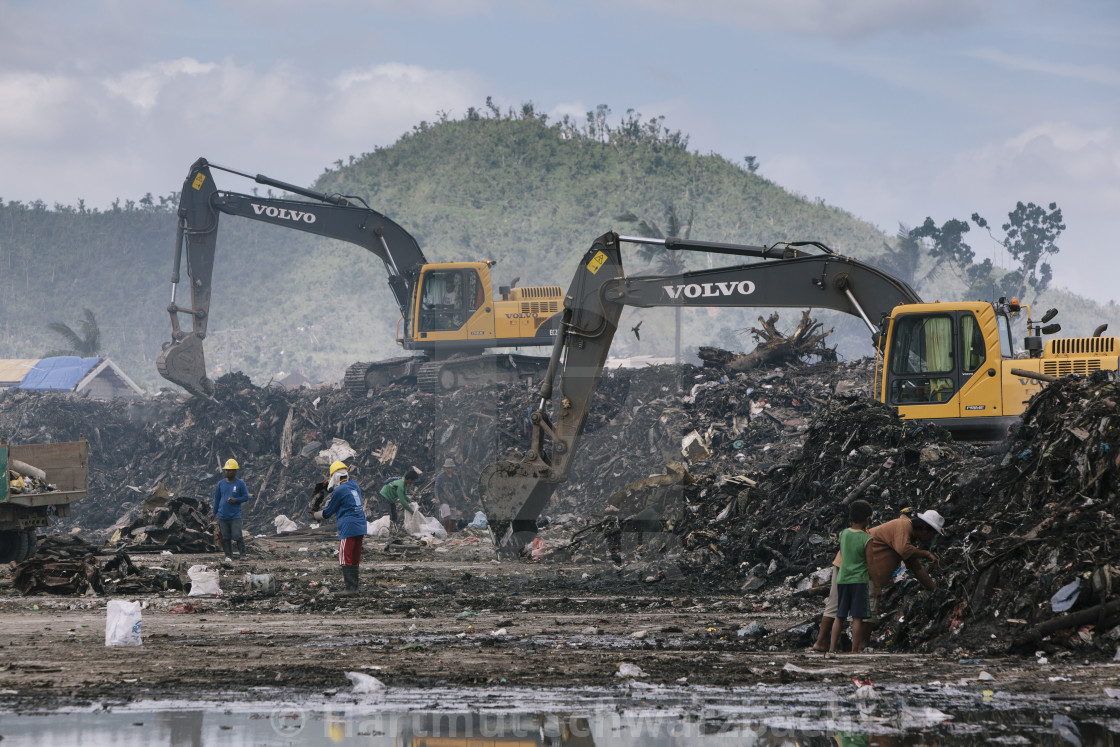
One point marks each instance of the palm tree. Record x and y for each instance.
(85, 343)
(667, 261)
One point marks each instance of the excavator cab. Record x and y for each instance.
(944, 364)
(448, 298)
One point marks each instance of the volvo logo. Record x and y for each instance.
(709, 290)
(285, 213)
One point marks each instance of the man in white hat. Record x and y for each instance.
(896, 542)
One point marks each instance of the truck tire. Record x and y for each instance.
(32, 541)
(13, 545)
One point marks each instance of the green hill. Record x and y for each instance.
(514, 188)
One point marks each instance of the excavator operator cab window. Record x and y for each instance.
(447, 299)
(921, 355)
(975, 347)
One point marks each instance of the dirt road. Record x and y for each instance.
(451, 618)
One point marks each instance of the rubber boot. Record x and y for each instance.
(350, 581)
(241, 549)
(354, 577)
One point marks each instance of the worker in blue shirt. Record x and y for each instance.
(229, 494)
(346, 503)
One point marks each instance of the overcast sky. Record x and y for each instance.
(890, 109)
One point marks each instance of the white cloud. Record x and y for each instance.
(1076, 167)
(35, 106)
(393, 97)
(141, 87)
(1102, 74)
(65, 140)
(827, 18)
(1052, 161)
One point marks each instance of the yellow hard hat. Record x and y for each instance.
(231, 464)
(337, 466)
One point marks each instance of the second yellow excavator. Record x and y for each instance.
(450, 314)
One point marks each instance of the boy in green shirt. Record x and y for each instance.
(851, 580)
(395, 492)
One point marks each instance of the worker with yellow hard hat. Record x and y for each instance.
(229, 494)
(346, 503)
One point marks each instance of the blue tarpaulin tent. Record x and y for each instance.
(91, 377)
(62, 373)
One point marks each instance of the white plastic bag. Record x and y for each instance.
(379, 528)
(479, 521)
(204, 582)
(122, 623)
(419, 525)
(364, 683)
(432, 526)
(413, 519)
(284, 524)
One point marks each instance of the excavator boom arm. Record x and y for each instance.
(200, 205)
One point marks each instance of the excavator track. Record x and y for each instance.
(354, 381)
(364, 376)
(479, 370)
(432, 377)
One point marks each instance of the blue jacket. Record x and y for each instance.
(225, 490)
(346, 501)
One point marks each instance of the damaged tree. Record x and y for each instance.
(773, 348)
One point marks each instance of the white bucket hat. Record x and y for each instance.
(934, 519)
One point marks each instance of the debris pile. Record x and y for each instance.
(61, 565)
(1043, 521)
(165, 523)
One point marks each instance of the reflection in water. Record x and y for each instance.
(592, 717)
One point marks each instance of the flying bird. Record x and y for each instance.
(635, 329)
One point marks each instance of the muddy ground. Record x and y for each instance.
(426, 618)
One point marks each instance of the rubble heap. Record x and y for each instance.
(165, 523)
(1043, 520)
(61, 565)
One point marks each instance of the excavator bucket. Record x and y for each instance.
(513, 496)
(183, 363)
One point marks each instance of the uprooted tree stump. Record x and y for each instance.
(773, 347)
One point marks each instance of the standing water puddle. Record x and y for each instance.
(632, 714)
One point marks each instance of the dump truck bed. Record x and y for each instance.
(66, 465)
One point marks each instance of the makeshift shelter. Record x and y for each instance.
(98, 378)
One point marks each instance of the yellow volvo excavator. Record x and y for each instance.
(449, 312)
(953, 364)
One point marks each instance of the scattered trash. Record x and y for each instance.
(1066, 596)
(1066, 729)
(628, 670)
(185, 608)
(865, 689)
(364, 683)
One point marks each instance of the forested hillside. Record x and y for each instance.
(510, 186)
